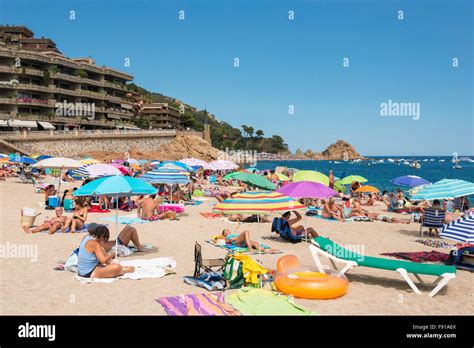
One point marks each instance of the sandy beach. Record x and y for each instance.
(34, 287)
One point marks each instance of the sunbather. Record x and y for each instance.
(79, 217)
(52, 225)
(386, 218)
(299, 230)
(248, 218)
(94, 261)
(149, 209)
(241, 239)
(332, 210)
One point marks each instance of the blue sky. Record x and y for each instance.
(285, 62)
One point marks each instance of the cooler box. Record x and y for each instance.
(68, 204)
(53, 201)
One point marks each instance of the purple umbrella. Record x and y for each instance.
(410, 180)
(306, 189)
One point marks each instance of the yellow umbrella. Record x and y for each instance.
(367, 189)
(282, 177)
(86, 161)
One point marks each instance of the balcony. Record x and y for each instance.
(32, 87)
(112, 113)
(96, 95)
(36, 102)
(116, 86)
(67, 77)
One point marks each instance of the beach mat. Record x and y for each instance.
(434, 243)
(420, 256)
(126, 220)
(144, 268)
(251, 301)
(208, 304)
(243, 250)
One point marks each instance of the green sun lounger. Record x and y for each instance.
(335, 252)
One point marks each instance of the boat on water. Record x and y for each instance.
(431, 159)
(425, 160)
(415, 165)
(457, 166)
(466, 159)
(391, 160)
(441, 160)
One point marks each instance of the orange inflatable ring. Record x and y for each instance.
(308, 282)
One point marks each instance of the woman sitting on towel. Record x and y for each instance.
(332, 210)
(299, 230)
(93, 261)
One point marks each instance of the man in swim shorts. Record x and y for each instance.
(52, 225)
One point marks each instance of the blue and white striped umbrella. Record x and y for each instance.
(461, 230)
(174, 165)
(165, 176)
(97, 170)
(445, 189)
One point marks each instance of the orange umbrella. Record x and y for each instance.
(367, 188)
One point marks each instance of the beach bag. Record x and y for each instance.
(462, 258)
(28, 217)
(233, 272)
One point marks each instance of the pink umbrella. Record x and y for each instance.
(307, 189)
(121, 167)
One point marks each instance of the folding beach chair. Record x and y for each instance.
(205, 264)
(432, 218)
(334, 252)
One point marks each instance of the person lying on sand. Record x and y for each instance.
(52, 225)
(94, 261)
(385, 218)
(299, 230)
(127, 235)
(332, 210)
(242, 239)
(248, 218)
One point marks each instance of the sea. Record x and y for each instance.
(433, 168)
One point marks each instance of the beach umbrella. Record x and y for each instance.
(194, 162)
(115, 186)
(311, 175)
(410, 180)
(58, 163)
(351, 178)
(123, 169)
(119, 161)
(255, 180)
(221, 165)
(42, 157)
(22, 159)
(174, 165)
(445, 189)
(132, 161)
(2, 155)
(89, 160)
(306, 189)
(282, 177)
(461, 230)
(257, 203)
(97, 170)
(231, 175)
(367, 189)
(165, 176)
(142, 161)
(413, 191)
(155, 162)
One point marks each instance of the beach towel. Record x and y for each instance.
(211, 281)
(126, 220)
(209, 304)
(211, 215)
(251, 301)
(281, 226)
(243, 249)
(420, 256)
(98, 210)
(435, 243)
(144, 268)
(194, 202)
(68, 230)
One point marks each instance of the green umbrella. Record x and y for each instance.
(231, 175)
(311, 175)
(255, 180)
(349, 179)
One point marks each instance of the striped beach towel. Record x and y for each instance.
(209, 304)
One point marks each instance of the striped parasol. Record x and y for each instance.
(165, 176)
(175, 165)
(221, 165)
(445, 189)
(97, 170)
(461, 230)
(194, 162)
(257, 203)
